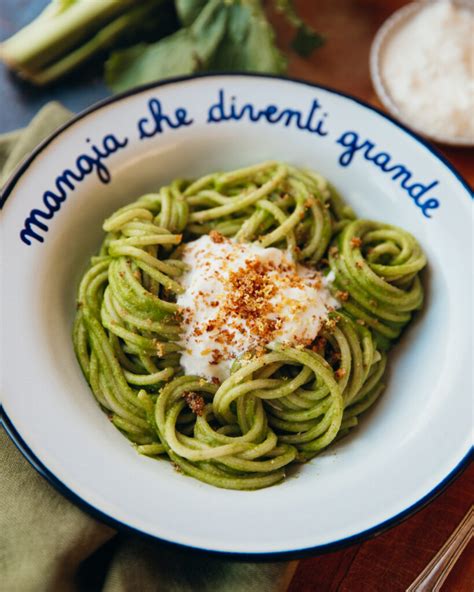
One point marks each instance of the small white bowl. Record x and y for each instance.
(390, 27)
(406, 448)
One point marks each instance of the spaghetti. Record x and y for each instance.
(282, 402)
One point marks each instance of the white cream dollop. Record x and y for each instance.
(239, 296)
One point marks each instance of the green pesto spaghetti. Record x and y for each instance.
(281, 398)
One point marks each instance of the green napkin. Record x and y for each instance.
(16, 145)
(49, 545)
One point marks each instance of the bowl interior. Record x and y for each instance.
(404, 447)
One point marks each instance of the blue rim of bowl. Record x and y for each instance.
(37, 464)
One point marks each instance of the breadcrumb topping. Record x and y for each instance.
(195, 402)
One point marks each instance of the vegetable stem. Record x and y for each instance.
(56, 31)
(103, 40)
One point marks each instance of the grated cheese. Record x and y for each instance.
(428, 69)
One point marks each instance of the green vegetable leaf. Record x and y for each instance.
(248, 44)
(306, 41)
(186, 51)
(188, 10)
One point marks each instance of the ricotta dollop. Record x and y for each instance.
(240, 297)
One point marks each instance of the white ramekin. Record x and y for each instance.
(392, 25)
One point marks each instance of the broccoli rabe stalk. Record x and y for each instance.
(104, 39)
(67, 33)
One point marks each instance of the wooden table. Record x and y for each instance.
(391, 561)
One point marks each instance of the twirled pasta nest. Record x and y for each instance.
(283, 405)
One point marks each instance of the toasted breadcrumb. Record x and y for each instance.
(160, 349)
(195, 402)
(216, 237)
(330, 324)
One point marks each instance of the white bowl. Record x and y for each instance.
(390, 27)
(407, 447)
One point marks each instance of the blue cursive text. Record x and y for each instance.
(85, 165)
(152, 125)
(228, 109)
(383, 160)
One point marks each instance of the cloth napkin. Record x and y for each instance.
(47, 544)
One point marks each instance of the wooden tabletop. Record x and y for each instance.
(391, 561)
